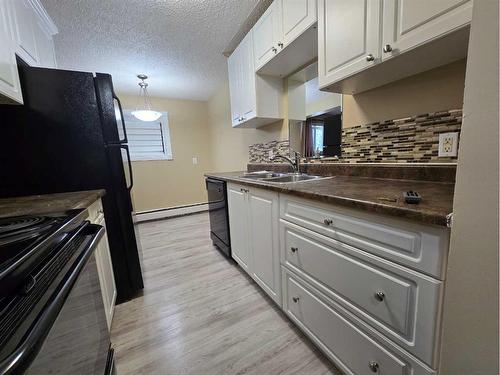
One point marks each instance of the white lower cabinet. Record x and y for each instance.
(104, 264)
(253, 223)
(238, 225)
(366, 288)
(402, 304)
(339, 335)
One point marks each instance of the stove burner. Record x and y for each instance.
(17, 223)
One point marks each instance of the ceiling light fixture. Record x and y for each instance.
(143, 111)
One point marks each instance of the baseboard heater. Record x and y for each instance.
(163, 213)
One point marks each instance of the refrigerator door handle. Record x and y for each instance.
(125, 139)
(125, 147)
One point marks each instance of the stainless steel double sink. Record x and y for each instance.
(280, 178)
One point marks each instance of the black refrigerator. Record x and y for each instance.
(66, 138)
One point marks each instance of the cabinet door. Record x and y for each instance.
(296, 17)
(267, 34)
(233, 65)
(45, 47)
(410, 23)
(349, 38)
(238, 219)
(106, 276)
(264, 243)
(24, 21)
(247, 90)
(9, 78)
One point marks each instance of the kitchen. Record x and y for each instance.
(263, 187)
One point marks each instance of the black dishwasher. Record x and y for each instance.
(219, 218)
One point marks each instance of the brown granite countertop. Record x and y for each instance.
(368, 194)
(38, 204)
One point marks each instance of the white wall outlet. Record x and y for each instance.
(448, 144)
(195, 160)
(271, 154)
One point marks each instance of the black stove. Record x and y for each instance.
(44, 261)
(25, 241)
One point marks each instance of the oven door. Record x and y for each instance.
(78, 342)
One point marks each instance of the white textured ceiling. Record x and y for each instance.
(178, 43)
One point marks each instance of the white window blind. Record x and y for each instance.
(148, 140)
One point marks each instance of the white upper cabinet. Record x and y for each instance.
(410, 23)
(24, 31)
(285, 37)
(296, 17)
(10, 90)
(255, 100)
(349, 37)
(357, 50)
(45, 46)
(33, 32)
(267, 35)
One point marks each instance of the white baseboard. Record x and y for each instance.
(170, 212)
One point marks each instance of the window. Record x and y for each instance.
(317, 137)
(148, 140)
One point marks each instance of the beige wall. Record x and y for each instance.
(435, 90)
(169, 183)
(470, 316)
(203, 129)
(229, 146)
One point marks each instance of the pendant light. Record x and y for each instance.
(143, 111)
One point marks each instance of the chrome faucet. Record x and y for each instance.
(295, 164)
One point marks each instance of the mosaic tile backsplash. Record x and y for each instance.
(259, 152)
(412, 139)
(407, 140)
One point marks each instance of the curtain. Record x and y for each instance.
(309, 136)
(308, 139)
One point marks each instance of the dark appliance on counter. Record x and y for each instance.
(65, 138)
(219, 217)
(52, 316)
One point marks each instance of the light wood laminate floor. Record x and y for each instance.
(200, 314)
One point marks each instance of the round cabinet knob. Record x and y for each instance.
(373, 366)
(370, 57)
(294, 249)
(328, 221)
(275, 50)
(280, 44)
(295, 299)
(387, 48)
(380, 296)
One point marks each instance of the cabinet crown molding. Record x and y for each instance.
(48, 23)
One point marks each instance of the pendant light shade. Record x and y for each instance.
(144, 112)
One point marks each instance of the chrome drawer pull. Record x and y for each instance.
(328, 221)
(380, 296)
(295, 299)
(294, 249)
(373, 366)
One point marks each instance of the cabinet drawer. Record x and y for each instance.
(352, 349)
(402, 304)
(423, 248)
(96, 212)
